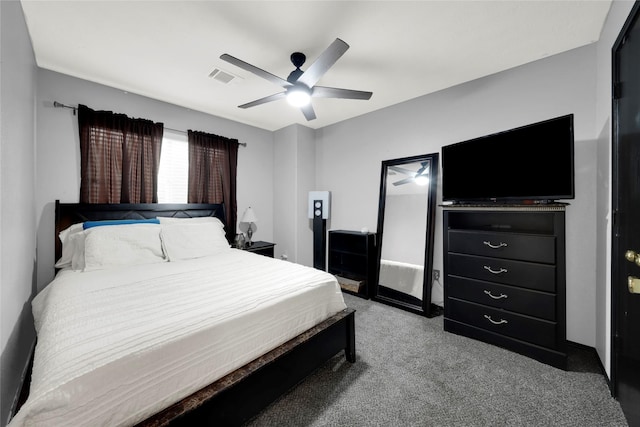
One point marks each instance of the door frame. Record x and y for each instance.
(634, 15)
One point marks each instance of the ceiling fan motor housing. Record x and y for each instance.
(297, 58)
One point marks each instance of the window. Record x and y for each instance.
(173, 174)
(199, 168)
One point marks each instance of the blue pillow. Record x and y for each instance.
(90, 224)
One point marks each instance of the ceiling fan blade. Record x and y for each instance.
(403, 171)
(322, 64)
(308, 112)
(333, 92)
(404, 181)
(424, 170)
(255, 70)
(277, 96)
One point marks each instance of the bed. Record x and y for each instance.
(403, 277)
(129, 339)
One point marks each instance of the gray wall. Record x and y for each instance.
(405, 228)
(350, 153)
(294, 177)
(58, 159)
(17, 201)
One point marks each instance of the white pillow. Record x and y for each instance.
(121, 245)
(66, 236)
(187, 240)
(77, 261)
(194, 220)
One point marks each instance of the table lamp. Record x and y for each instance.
(249, 217)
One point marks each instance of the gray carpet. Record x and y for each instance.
(409, 372)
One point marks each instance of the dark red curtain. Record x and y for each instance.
(213, 163)
(119, 157)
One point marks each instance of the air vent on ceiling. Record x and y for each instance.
(222, 76)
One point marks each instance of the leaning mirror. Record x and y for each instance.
(406, 223)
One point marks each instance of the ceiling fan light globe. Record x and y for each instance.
(298, 97)
(421, 180)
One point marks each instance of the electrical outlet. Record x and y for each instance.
(436, 274)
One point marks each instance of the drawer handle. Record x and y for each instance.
(500, 322)
(495, 297)
(490, 270)
(498, 246)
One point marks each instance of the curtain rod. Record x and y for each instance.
(57, 104)
(244, 144)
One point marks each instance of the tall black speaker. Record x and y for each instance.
(319, 204)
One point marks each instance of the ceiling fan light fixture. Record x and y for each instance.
(421, 180)
(299, 96)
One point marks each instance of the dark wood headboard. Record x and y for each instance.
(68, 214)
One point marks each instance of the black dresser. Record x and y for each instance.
(352, 259)
(504, 278)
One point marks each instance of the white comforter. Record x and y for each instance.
(116, 346)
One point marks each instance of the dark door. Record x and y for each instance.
(626, 227)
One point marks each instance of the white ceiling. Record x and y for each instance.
(398, 50)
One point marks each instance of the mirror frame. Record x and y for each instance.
(427, 309)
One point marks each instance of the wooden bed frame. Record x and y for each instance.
(239, 396)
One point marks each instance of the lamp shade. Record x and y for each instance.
(249, 216)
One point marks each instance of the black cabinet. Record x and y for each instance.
(352, 259)
(504, 278)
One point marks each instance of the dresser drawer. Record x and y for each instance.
(525, 328)
(524, 274)
(530, 302)
(525, 247)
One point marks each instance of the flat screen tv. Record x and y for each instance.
(532, 163)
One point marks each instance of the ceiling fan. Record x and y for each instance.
(420, 177)
(300, 85)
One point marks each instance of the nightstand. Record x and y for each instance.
(261, 248)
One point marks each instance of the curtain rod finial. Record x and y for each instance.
(57, 104)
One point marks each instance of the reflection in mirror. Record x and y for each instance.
(406, 223)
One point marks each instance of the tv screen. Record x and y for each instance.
(533, 162)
